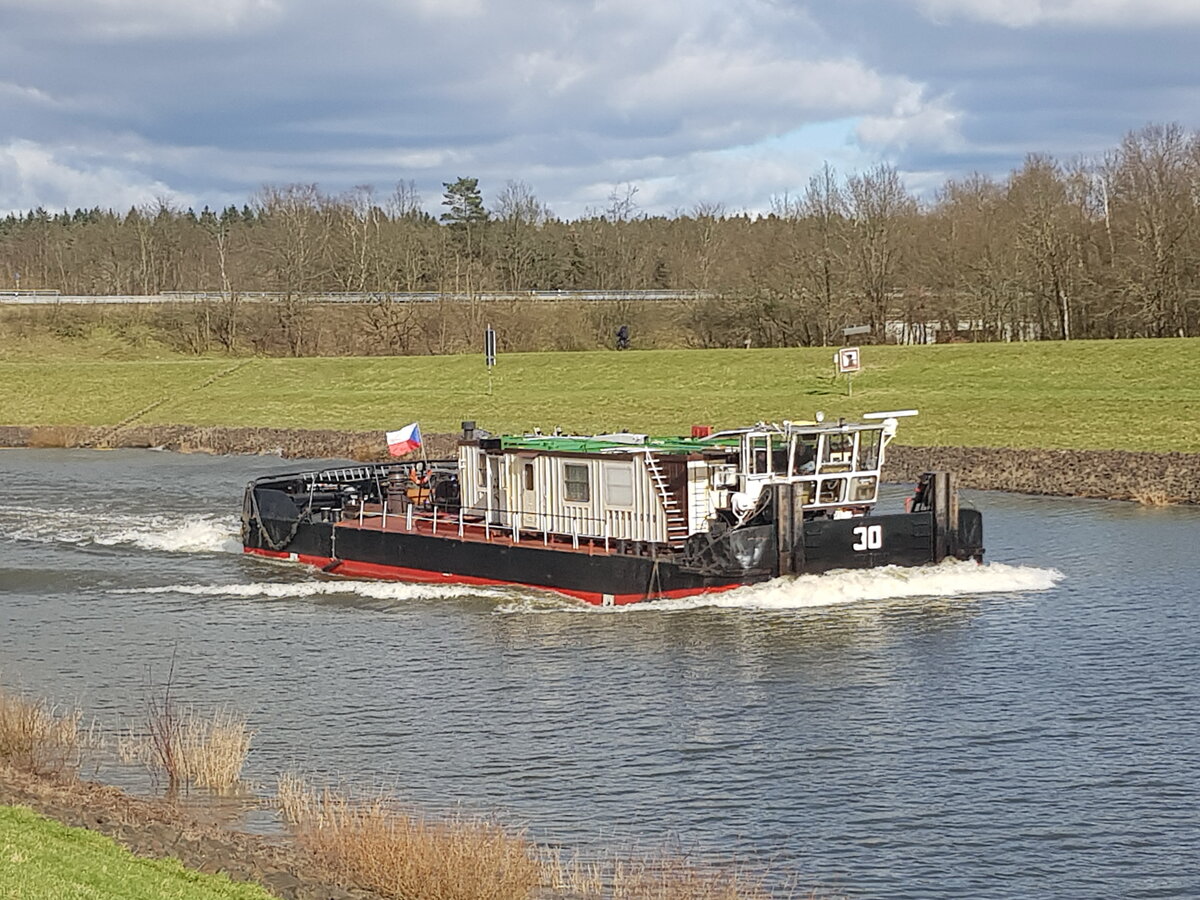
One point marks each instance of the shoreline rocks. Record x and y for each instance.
(1149, 478)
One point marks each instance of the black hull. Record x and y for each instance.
(738, 557)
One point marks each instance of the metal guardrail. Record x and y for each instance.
(52, 296)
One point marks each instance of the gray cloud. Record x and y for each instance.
(108, 101)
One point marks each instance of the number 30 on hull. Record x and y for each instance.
(870, 537)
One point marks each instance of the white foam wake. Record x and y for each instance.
(949, 579)
(268, 590)
(952, 578)
(204, 534)
(197, 534)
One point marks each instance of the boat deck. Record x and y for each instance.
(372, 517)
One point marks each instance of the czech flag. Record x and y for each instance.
(406, 439)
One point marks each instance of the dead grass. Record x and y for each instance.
(54, 436)
(376, 844)
(1152, 497)
(663, 876)
(208, 750)
(398, 854)
(38, 736)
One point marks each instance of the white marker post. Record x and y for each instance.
(489, 354)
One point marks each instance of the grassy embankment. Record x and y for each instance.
(1131, 395)
(43, 860)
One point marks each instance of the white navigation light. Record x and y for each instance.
(820, 416)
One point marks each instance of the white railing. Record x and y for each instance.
(616, 525)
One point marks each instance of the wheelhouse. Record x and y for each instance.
(642, 488)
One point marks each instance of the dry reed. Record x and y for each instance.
(54, 436)
(38, 736)
(660, 876)
(1152, 497)
(400, 855)
(186, 746)
(379, 846)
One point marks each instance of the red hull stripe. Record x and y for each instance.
(354, 569)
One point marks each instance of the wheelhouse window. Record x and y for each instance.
(529, 476)
(832, 490)
(839, 451)
(805, 460)
(618, 484)
(869, 443)
(864, 488)
(577, 483)
(760, 455)
(779, 457)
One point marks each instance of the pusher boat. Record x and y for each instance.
(617, 518)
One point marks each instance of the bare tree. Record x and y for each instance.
(296, 219)
(519, 214)
(880, 208)
(824, 207)
(1154, 187)
(1038, 194)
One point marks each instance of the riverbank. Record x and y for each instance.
(380, 853)
(1150, 478)
(159, 829)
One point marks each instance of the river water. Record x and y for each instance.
(1028, 728)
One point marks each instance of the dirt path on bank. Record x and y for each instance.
(1152, 478)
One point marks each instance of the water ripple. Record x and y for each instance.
(1029, 727)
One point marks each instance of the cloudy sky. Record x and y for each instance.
(732, 102)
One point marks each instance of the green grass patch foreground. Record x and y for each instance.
(43, 860)
(1135, 395)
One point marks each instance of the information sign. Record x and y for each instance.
(848, 361)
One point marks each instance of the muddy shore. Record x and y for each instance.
(1153, 478)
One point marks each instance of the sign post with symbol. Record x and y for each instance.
(848, 363)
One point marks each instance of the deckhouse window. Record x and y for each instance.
(618, 484)
(576, 482)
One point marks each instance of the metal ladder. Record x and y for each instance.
(355, 473)
(677, 524)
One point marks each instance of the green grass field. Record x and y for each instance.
(1135, 395)
(43, 860)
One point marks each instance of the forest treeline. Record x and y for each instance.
(1098, 248)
